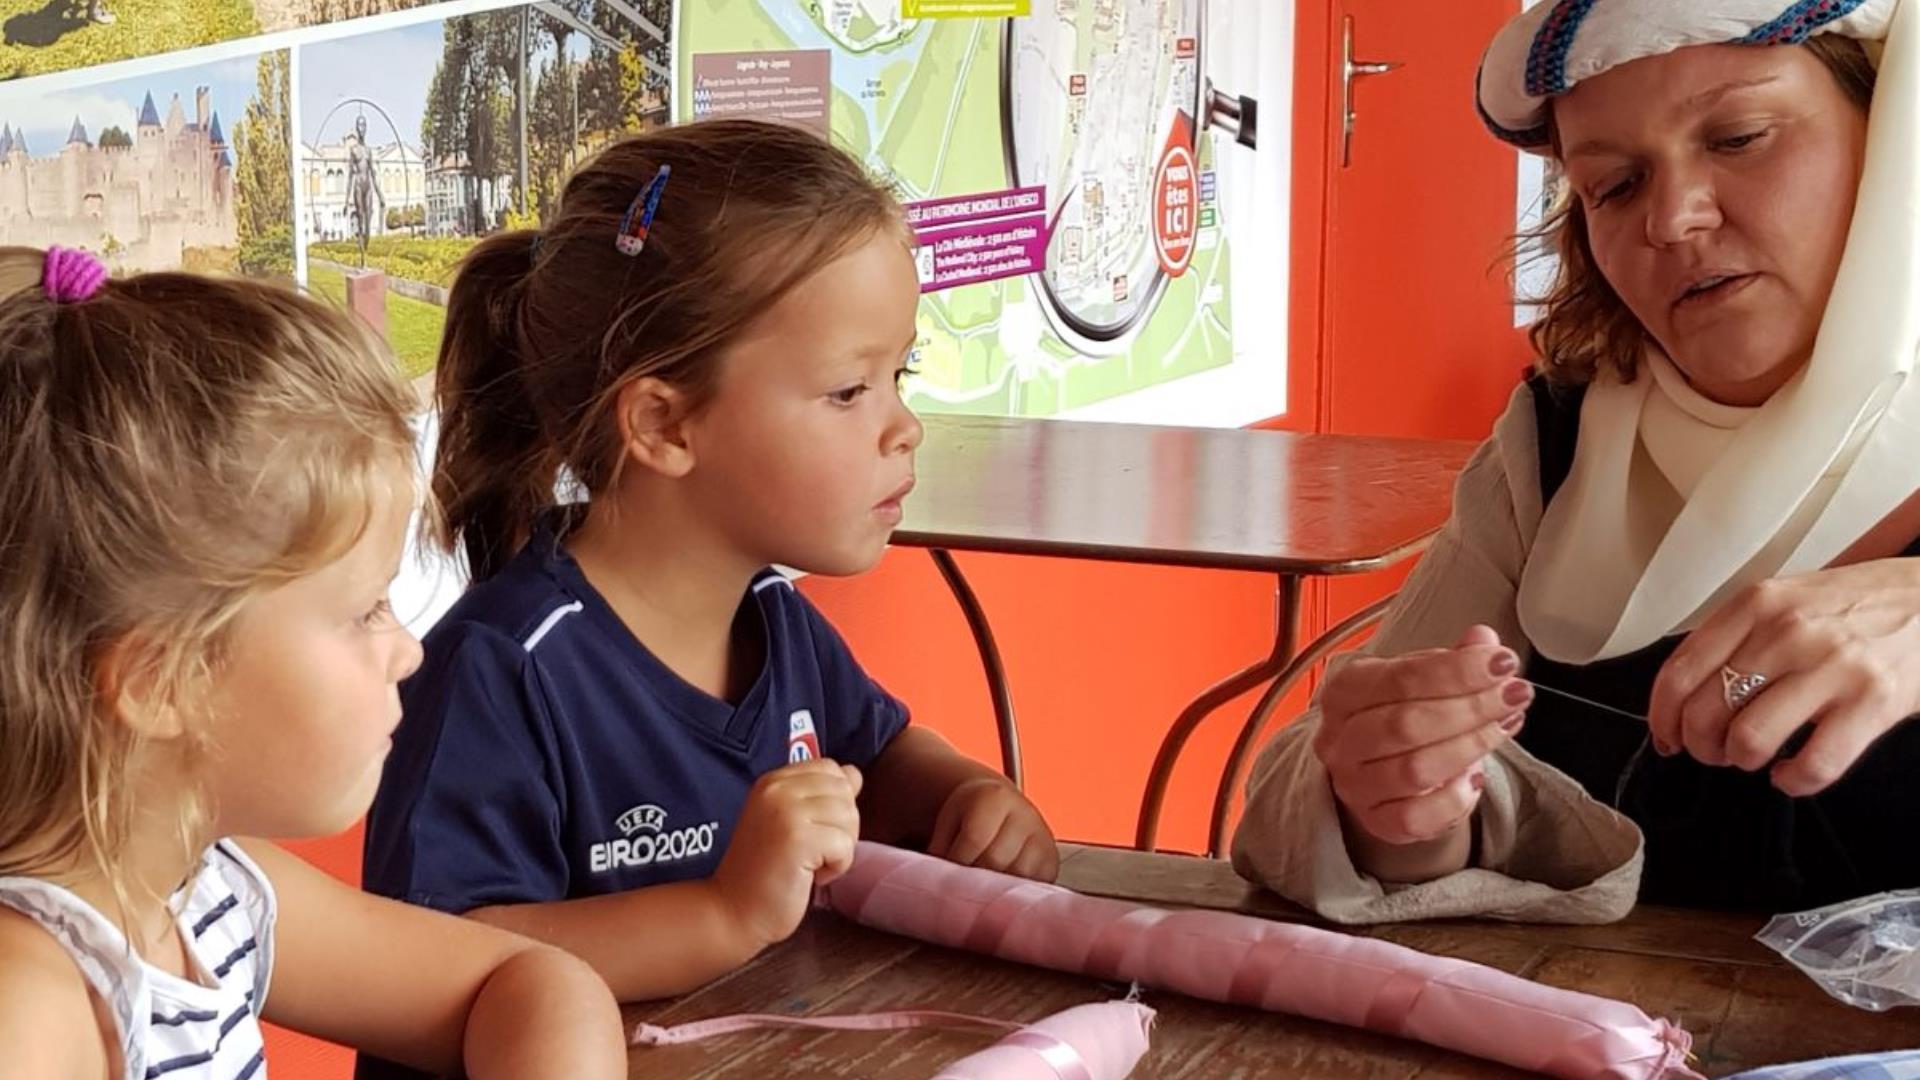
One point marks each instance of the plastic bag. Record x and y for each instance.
(1895, 1065)
(1865, 952)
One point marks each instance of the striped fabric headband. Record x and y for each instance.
(1550, 47)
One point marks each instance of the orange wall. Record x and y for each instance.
(1100, 658)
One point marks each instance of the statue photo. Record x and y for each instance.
(364, 198)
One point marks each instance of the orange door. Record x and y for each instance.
(1418, 215)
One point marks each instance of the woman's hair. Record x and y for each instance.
(169, 447)
(1585, 326)
(545, 328)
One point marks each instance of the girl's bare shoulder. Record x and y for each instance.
(50, 1021)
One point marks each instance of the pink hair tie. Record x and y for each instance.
(71, 275)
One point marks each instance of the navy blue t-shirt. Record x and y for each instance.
(545, 754)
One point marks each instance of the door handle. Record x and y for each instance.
(1236, 114)
(1351, 69)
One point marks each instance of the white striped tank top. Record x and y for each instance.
(172, 1028)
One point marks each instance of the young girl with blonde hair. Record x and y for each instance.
(204, 486)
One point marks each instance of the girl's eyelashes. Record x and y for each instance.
(379, 615)
(847, 395)
(909, 367)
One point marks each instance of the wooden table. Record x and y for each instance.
(1283, 503)
(1744, 1006)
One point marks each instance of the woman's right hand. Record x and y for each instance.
(1404, 739)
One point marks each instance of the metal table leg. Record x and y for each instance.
(989, 660)
(1285, 636)
(1243, 746)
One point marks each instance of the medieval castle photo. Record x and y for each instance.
(142, 200)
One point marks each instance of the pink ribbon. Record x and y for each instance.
(1087, 1042)
(1059, 1055)
(649, 1035)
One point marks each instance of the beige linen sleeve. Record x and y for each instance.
(1547, 851)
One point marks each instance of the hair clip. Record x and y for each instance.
(69, 275)
(639, 216)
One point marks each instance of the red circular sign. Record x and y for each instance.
(1176, 199)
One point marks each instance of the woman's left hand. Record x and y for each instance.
(1840, 649)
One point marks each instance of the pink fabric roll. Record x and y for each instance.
(1279, 967)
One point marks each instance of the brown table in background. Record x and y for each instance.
(1744, 1006)
(1283, 503)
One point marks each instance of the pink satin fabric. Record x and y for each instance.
(1087, 1042)
(1274, 966)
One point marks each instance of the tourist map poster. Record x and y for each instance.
(1057, 166)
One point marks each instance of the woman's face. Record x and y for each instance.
(1718, 184)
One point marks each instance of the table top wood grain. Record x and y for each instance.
(1744, 1006)
(1176, 496)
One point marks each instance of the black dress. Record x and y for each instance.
(1717, 837)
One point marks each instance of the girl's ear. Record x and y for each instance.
(652, 416)
(127, 678)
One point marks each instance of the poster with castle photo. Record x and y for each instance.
(188, 168)
(42, 36)
(416, 142)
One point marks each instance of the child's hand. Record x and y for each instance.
(986, 822)
(796, 831)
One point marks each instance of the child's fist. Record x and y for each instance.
(796, 831)
(989, 824)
